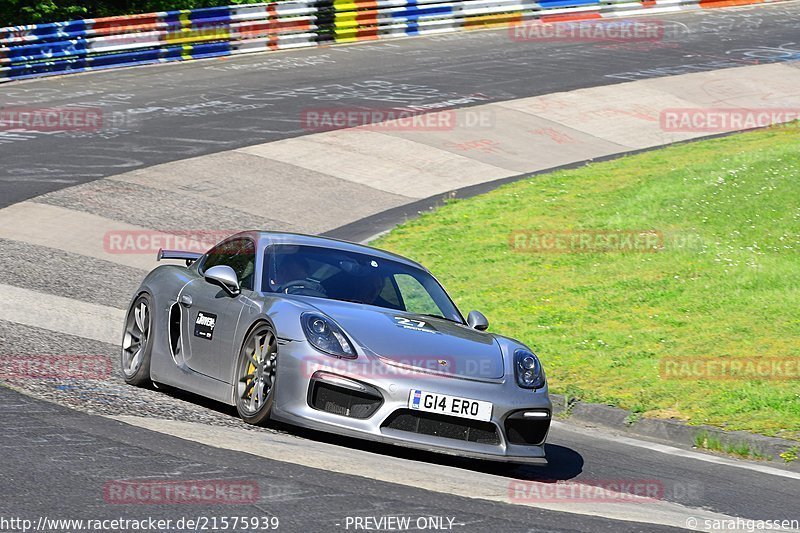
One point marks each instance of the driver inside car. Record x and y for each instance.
(293, 276)
(293, 267)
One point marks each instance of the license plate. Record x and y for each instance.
(432, 402)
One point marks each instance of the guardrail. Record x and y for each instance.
(80, 45)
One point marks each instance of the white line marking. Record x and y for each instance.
(73, 231)
(670, 450)
(64, 315)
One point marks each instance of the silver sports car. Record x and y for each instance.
(338, 337)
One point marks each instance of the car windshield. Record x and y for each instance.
(355, 277)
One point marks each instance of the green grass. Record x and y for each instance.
(790, 455)
(602, 322)
(707, 441)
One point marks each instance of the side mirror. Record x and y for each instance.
(225, 277)
(476, 320)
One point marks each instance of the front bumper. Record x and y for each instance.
(301, 367)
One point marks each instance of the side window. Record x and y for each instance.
(240, 255)
(415, 297)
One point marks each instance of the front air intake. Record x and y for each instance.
(527, 427)
(343, 401)
(446, 427)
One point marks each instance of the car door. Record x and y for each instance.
(210, 312)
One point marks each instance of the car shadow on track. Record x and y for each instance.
(563, 463)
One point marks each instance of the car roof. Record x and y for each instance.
(275, 237)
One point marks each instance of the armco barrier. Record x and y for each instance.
(79, 45)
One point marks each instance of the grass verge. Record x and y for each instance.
(708, 442)
(721, 283)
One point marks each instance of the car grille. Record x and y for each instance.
(342, 401)
(446, 427)
(528, 431)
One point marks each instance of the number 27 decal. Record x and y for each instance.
(407, 322)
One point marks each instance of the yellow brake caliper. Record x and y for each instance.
(251, 369)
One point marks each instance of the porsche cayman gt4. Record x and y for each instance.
(337, 337)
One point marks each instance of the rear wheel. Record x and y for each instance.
(255, 375)
(137, 342)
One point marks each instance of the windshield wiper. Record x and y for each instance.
(439, 316)
(348, 300)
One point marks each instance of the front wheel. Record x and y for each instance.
(255, 375)
(137, 342)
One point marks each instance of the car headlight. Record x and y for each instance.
(528, 370)
(326, 336)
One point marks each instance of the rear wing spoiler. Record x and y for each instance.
(189, 257)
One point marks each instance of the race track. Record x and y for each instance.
(60, 291)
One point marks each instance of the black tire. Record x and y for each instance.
(256, 369)
(137, 342)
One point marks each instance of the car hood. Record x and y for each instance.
(418, 341)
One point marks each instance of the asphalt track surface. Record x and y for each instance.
(60, 468)
(164, 113)
(56, 460)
